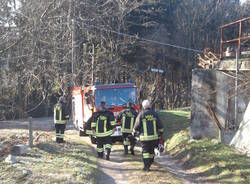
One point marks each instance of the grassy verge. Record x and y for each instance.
(48, 162)
(213, 161)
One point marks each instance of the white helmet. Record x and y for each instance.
(146, 104)
(61, 99)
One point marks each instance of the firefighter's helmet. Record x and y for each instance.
(61, 99)
(146, 104)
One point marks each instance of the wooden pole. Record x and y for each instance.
(30, 132)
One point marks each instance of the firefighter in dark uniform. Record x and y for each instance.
(61, 116)
(149, 127)
(102, 123)
(127, 118)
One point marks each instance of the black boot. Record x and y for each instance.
(100, 154)
(132, 150)
(125, 150)
(150, 161)
(146, 164)
(60, 140)
(108, 154)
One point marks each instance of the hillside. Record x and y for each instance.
(213, 161)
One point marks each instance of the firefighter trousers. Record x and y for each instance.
(148, 152)
(103, 144)
(128, 139)
(60, 128)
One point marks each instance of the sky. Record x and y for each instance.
(242, 1)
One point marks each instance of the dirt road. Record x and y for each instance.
(128, 169)
(120, 169)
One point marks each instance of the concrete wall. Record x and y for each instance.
(215, 88)
(203, 84)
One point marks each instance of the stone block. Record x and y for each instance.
(10, 159)
(19, 149)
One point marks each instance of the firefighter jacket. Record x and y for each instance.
(61, 114)
(127, 118)
(103, 123)
(148, 125)
(87, 126)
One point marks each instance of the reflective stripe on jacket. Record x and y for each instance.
(60, 116)
(127, 118)
(102, 123)
(148, 125)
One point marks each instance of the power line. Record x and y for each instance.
(143, 39)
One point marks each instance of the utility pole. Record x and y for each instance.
(92, 64)
(236, 90)
(73, 48)
(72, 22)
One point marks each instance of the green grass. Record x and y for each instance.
(48, 162)
(212, 160)
(174, 121)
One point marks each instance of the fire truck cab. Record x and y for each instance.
(86, 100)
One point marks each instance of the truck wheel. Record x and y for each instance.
(82, 133)
(117, 139)
(121, 139)
(113, 140)
(93, 139)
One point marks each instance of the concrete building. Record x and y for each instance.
(218, 106)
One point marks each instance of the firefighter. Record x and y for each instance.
(127, 118)
(103, 124)
(149, 127)
(90, 100)
(61, 116)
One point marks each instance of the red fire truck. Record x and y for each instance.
(86, 100)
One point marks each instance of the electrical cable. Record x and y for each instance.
(143, 39)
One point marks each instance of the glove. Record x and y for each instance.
(133, 134)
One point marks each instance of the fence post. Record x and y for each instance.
(30, 132)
